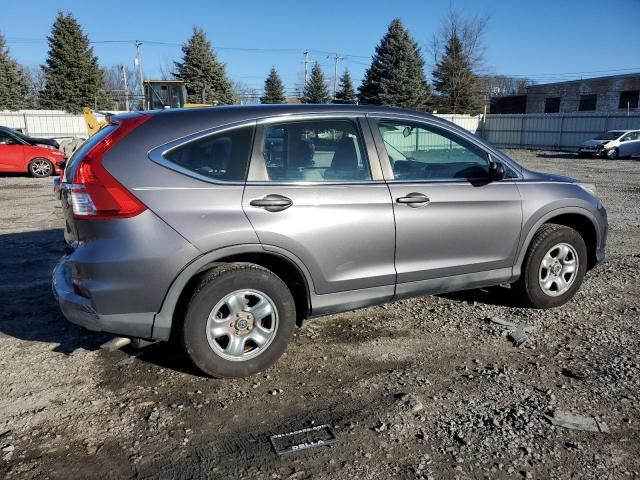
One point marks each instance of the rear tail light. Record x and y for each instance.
(95, 193)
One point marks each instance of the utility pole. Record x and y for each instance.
(126, 88)
(305, 61)
(336, 59)
(140, 75)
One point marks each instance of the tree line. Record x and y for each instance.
(71, 77)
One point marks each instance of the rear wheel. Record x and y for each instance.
(40, 167)
(553, 268)
(239, 320)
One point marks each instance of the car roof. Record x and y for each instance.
(257, 111)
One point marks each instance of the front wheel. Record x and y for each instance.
(612, 153)
(40, 167)
(553, 268)
(239, 320)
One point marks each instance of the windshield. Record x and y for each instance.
(612, 135)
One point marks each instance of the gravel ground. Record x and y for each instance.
(429, 387)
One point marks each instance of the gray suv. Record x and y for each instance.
(225, 227)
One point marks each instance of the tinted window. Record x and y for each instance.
(6, 139)
(315, 151)
(587, 102)
(222, 156)
(417, 152)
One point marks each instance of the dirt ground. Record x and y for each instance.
(422, 388)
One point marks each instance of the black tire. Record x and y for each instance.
(612, 153)
(212, 288)
(528, 286)
(41, 168)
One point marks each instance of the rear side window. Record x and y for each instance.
(222, 156)
(323, 150)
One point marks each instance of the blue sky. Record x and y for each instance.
(543, 39)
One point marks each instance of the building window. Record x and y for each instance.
(552, 105)
(588, 103)
(629, 99)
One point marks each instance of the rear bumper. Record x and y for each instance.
(79, 309)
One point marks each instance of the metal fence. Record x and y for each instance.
(46, 123)
(59, 124)
(544, 131)
(551, 131)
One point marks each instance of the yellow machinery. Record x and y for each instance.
(93, 124)
(158, 95)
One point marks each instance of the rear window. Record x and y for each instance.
(222, 156)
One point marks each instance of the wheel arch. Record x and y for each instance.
(284, 264)
(579, 219)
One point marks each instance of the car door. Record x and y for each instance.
(314, 193)
(11, 154)
(453, 225)
(630, 144)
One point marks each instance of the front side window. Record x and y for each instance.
(421, 153)
(631, 136)
(222, 156)
(323, 150)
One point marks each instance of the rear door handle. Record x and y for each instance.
(414, 199)
(272, 203)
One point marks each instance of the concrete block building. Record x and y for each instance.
(613, 94)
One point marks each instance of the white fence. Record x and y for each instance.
(46, 123)
(59, 124)
(555, 131)
(544, 131)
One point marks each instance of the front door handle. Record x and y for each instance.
(272, 203)
(414, 199)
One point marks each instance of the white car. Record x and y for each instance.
(613, 144)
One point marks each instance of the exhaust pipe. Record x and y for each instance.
(115, 344)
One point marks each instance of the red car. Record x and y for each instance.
(19, 153)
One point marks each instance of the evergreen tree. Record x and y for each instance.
(273, 89)
(204, 76)
(396, 75)
(345, 93)
(454, 80)
(316, 91)
(72, 75)
(14, 82)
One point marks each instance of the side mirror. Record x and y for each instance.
(496, 171)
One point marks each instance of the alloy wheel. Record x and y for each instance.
(242, 325)
(558, 269)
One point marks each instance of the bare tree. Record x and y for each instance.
(503, 85)
(245, 94)
(469, 30)
(123, 92)
(167, 69)
(458, 58)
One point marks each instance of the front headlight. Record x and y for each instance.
(589, 187)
